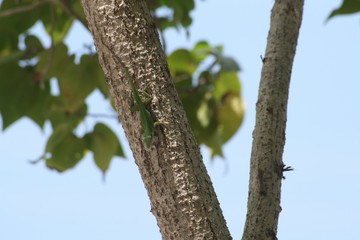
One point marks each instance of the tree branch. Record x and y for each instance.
(182, 197)
(102, 115)
(22, 9)
(271, 109)
(72, 13)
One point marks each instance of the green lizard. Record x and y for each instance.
(146, 120)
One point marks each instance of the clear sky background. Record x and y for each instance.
(320, 199)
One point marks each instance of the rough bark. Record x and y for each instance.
(182, 196)
(266, 170)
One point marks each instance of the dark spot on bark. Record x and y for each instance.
(270, 110)
(270, 233)
(262, 188)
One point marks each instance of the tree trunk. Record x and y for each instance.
(266, 170)
(181, 193)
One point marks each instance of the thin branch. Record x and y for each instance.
(267, 167)
(22, 9)
(45, 69)
(100, 115)
(72, 13)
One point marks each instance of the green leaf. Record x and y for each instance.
(191, 102)
(206, 118)
(51, 59)
(39, 99)
(230, 115)
(105, 145)
(204, 114)
(76, 81)
(79, 81)
(229, 118)
(183, 82)
(66, 153)
(92, 74)
(57, 137)
(56, 21)
(180, 13)
(60, 117)
(11, 56)
(347, 7)
(22, 94)
(214, 143)
(229, 64)
(182, 10)
(11, 73)
(182, 60)
(33, 46)
(14, 24)
(201, 50)
(78, 10)
(218, 49)
(63, 123)
(226, 81)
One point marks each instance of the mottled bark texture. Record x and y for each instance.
(182, 196)
(267, 167)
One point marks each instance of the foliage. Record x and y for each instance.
(347, 7)
(177, 13)
(213, 102)
(206, 80)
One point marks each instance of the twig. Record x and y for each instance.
(71, 12)
(22, 9)
(98, 115)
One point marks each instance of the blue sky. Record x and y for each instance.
(320, 199)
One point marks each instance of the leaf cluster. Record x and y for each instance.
(49, 85)
(210, 90)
